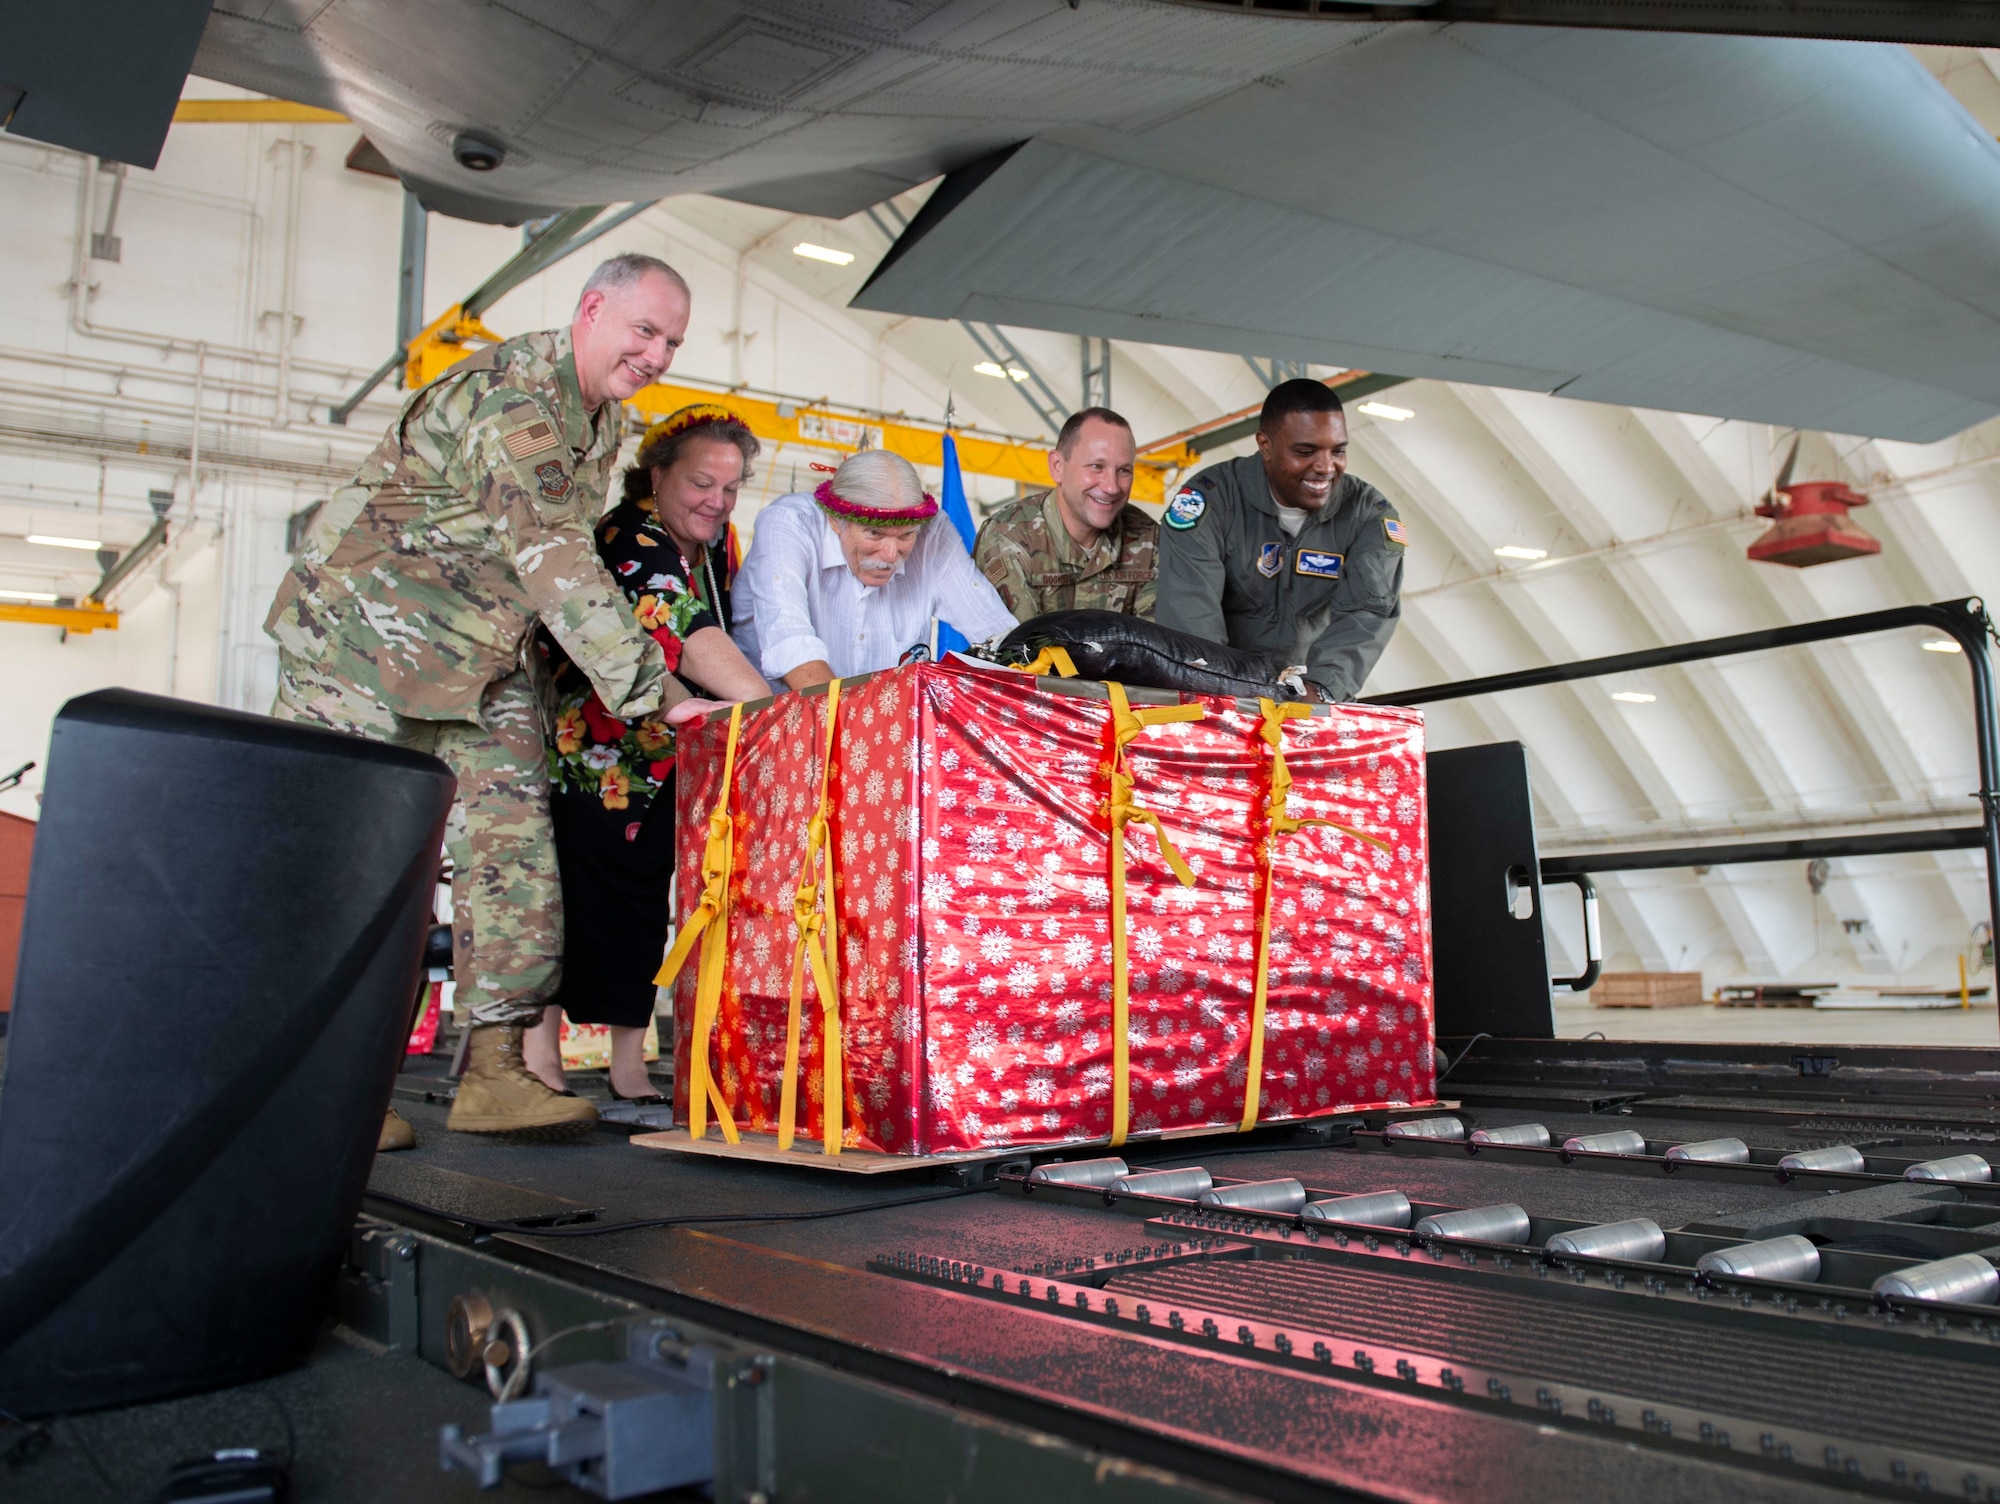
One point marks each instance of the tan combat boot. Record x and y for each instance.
(396, 1133)
(499, 1094)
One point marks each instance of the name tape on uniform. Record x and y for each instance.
(1319, 564)
(533, 439)
(1185, 510)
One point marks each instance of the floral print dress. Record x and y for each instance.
(626, 763)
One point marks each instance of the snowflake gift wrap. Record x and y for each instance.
(966, 816)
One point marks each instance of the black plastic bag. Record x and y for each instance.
(1133, 651)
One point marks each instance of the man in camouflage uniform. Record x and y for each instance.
(408, 614)
(1082, 545)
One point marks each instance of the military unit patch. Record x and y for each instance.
(555, 480)
(1397, 533)
(1318, 564)
(1185, 510)
(1270, 559)
(533, 439)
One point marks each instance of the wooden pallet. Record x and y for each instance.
(1647, 989)
(809, 1154)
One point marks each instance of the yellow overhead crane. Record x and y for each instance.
(253, 112)
(801, 421)
(87, 617)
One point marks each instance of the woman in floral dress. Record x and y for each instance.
(668, 544)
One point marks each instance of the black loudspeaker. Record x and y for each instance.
(1489, 956)
(225, 920)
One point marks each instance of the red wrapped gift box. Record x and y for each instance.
(967, 815)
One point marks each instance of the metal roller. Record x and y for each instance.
(1373, 1209)
(1258, 1195)
(1088, 1172)
(1183, 1185)
(1966, 1277)
(1618, 1141)
(1961, 1167)
(1839, 1157)
(1789, 1257)
(1482, 1224)
(1713, 1151)
(1528, 1135)
(1448, 1128)
(1640, 1238)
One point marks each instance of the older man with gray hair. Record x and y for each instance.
(407, 617)
(847, 578)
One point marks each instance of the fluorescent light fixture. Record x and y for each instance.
(1384, 410)
(48, 541)
(988, 368)
(1515, 551)
(1017, 373)
(1942, 645)
(1634, 697)
(827, 254)
(45, 597)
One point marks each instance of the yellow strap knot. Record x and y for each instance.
(1280, 824)
(709, 923)
(1126, 724)
(818, 946)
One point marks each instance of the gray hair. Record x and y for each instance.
(623, 271)
(877, 478)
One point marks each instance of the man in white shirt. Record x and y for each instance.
(845, 580)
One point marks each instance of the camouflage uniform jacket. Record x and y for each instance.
(422, 578)
(1028, 554)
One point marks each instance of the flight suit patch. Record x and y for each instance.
(1317, 563)
(1270, 559)
(1393, 529)
(1185, 510)
(555, 480)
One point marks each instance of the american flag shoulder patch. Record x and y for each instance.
(532, 439)
(1396, 532)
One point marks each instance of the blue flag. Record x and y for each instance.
(949, 638)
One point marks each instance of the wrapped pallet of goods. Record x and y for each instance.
(948, 908)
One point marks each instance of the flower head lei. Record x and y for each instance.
(694, 415)
(836, 505)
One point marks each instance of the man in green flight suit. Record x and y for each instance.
(1284, 553)
(408, 617)
(1082, 545)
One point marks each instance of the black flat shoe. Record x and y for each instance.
(651, 1099)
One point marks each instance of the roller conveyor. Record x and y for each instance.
(1201, 1308)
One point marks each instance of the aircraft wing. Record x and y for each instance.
(1803, 232)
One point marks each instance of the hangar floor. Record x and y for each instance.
(1976, 1025)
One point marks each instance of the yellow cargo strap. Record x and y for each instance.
(818, 945)
(1281, 824)
(1126, 725)
(709, 923)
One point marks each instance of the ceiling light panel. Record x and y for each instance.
(824, 253)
